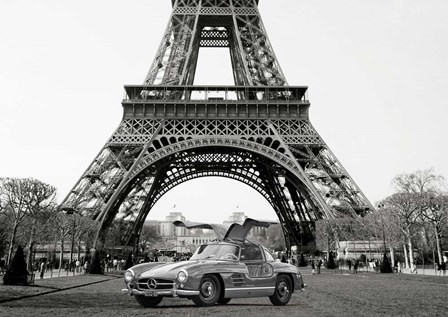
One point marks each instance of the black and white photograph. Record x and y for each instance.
(223, 157)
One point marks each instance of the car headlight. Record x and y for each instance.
(182, 276)
(128, 276)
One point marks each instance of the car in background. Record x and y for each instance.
(231, 267)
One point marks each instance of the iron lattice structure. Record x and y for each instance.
(257, 132)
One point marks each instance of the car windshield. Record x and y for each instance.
(217, 252)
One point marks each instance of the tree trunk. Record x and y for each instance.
(406, 259)
(13, 241)
(61, 257)
(392, 255)
(439, 252)
(79, 249)
(411, 255)
(29, 262)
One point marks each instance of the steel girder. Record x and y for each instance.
(257, 132)
(146, 171)
(236, 24)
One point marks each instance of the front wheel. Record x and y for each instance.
(148, 301)
(283, 291)
(209, 291)
(224, 301)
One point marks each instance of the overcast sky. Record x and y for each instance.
(377, 73)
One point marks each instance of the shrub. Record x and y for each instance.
(331, 264)
(302, 261)
(385, 265)
(16, 272)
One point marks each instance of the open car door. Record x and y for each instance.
(239, 232)
(220, 230)
(234, 231)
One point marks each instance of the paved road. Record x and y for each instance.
(328, 294)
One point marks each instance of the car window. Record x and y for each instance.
(268, 255)
(217, 252)
(251, 252)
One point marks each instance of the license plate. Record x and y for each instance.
(151, 294)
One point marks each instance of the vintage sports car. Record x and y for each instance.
(231, 267)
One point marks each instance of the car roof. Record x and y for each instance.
(232, 232)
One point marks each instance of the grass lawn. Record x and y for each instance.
(382, 294)
(328, 294)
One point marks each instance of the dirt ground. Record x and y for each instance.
(332, 293)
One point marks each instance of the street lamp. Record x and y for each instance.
(382, 225)
(71, 211)
(385, 265)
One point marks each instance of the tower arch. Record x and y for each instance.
(172, 130)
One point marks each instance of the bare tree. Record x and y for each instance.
(427, 188)
(148, 235)
(437, 214)
(325, 234)
(419, 182)
(276, 238)
(40, 199)
(85, 230)
(62, 225)
(13, 193)
(407, 208)
(4, 229)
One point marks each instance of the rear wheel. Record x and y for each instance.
(148, 301)
(209, 291)
(283, 291)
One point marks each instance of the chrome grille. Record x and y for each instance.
(155, 284)
(238, 279)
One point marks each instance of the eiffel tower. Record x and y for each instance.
(257, 132)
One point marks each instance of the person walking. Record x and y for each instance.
(2, 266)
(42, 270)
(283, 259)
(319, 264)
(349, 262)
(355, 267)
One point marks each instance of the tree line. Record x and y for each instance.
(414, 217)
(29, 216)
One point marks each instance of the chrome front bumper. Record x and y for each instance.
(155, 293)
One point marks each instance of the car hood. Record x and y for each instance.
(170, 269)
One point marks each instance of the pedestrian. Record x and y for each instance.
(398, 267)
(355, 267)
(283, 259)
(86, 266)
(42, 270)
(319, 264)
(2, 266)
(312, 267)
(441, 268)
(349, 262)
(78, 266)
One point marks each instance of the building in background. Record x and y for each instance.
(183, 240)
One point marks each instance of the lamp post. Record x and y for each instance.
(385, 265)
(71, 211)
